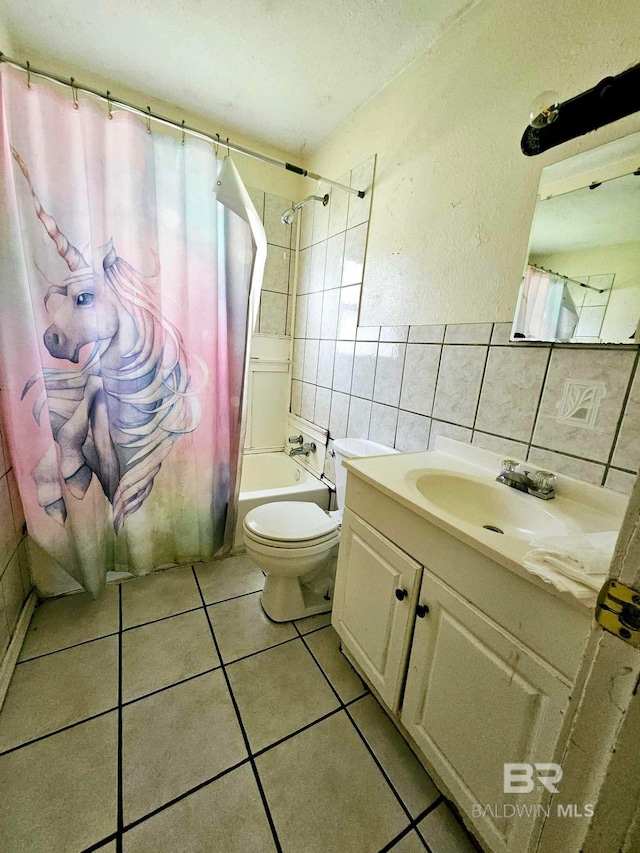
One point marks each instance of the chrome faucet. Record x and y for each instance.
(540, 484)
(305, 450)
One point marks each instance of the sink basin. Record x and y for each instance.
(490, 505)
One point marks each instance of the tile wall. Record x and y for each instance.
(15, 583)
(574, 409)
(276, 300)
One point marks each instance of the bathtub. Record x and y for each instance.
(270, 477)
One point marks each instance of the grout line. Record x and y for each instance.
(413, 825)
(258, 652)
(120, 817)
(99, 844)
(127, 702)
(241, 725)
(66, 648)
(353, 723)
(481, 388)
(185, 794)
(58, 731)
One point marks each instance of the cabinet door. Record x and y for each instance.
(373, 621)
(476, 699)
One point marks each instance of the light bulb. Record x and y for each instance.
(544, 109)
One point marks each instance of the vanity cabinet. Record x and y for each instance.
(374, 601)
(469, 683)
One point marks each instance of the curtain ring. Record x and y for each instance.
(216, 145)
(109, 104)
(228, 150)
(148, 119)
(74, 93)
(28, 75)
(183, 134)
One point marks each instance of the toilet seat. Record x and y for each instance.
(290, 524)
(278, 544)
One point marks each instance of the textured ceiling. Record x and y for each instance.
(285, 72)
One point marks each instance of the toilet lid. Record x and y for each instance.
(292, 521)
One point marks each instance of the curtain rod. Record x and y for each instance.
(184, 128)
(567, 278)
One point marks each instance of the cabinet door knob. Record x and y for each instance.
(422, 610)
(401, 594)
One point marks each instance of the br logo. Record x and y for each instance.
(523, 778)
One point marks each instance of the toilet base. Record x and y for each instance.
(285, 599)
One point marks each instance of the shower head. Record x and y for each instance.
(290, 212)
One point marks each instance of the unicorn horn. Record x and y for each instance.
(75, 260)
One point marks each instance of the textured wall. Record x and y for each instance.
(454, 196)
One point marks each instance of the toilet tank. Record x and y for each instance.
(348, 448)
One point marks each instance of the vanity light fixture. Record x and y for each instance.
(553, 123)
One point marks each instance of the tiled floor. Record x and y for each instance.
(172, 715)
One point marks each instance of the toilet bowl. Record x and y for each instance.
(295, 543)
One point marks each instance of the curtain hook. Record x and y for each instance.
(109, 104)
(74, 93)
(148, 119)
(183, 134)
(216, 145)
(228, 149)
(28, 75)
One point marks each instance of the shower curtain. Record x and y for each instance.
(130, 266)
(546, 311)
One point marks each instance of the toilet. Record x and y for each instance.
(295, 543)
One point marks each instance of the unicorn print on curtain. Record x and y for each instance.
(121, 370)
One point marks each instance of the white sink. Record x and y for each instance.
(489, 505)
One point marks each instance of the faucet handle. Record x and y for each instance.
(509, 465)
(295, 439)
(542, 481)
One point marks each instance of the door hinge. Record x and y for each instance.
(618, 611)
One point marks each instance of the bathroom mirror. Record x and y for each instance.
(581, 283)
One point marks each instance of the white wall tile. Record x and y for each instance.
(314, 315)
(382, 427)
(354, 248)
(558, 462)
(316, 272)
(306, 225)
(394, 333)
(496, 444)
(343, 366)
(13, 591)
(453, 431)
(348, 312)
(468, 333)
(334, 262)
(412, 432)
(297, 360)
(310, 370)
(359, 417)
(364, 369)
(388, 379)
(426, 334)
(511, 391)
(330, 312)
(574, 373)
(323, 407)
(308, 401)
(419, 378)
(320, 216)
(304, 270)
(458, 386)
(300, 322)
(326, 356)
(620, 481)
(339, 414)
(368, 333)
(296, 397)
